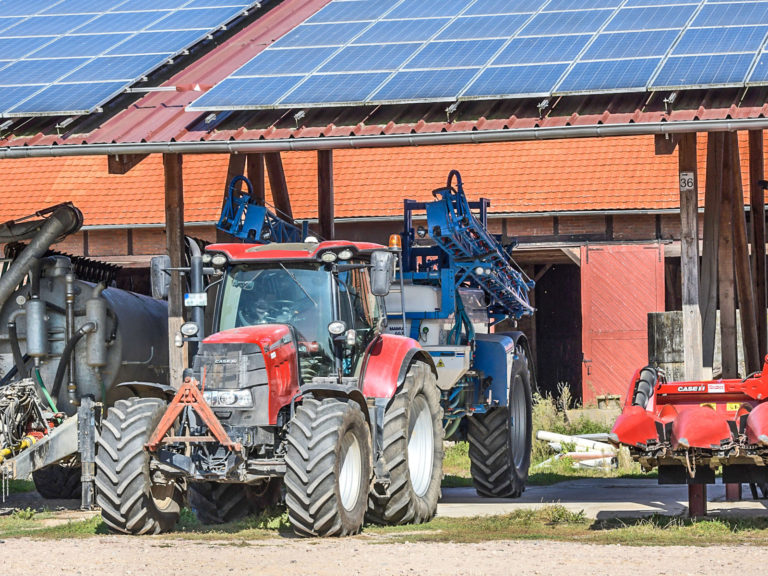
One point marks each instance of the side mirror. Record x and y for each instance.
(381, 272)
(159, 277)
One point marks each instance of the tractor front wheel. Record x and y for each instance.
(328, 468)
(133, 498)
(413, 452)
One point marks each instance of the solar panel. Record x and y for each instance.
(454, 50)
(63, 57)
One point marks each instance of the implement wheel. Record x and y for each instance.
(328, 468)
(59, 481)
(413, 451)
(133, 498)
(217, 503)
(500, 440)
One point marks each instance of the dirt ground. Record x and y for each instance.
(117, 556)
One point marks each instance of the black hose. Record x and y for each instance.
(67, 353)
(11, 373)
(18, 360)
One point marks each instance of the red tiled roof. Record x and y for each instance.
(160, 117)
(521, 177)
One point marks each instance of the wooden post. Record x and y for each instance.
(708, 280)
(255, 167)
(279, 186)
(697, 500)
(741, 263)
(689, 256)
(757, 237)
(725, 272)
(174, 236)
(325, 206)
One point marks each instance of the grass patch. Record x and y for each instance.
(19, 486)
(558, 523)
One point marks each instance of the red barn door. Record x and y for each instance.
(620, 285)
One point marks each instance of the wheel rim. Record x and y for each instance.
(351, 471)
(518, 425)
(421, 446)
(162, 495)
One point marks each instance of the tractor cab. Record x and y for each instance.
(322, 291)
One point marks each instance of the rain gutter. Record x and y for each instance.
(383, 140)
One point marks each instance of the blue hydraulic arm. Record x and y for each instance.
(243, 218)
(464, 252)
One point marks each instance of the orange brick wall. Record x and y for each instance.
(582, 225)
(107, 242)
(543, 226)
(635, 227)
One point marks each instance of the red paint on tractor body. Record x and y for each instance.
(385, 357)
(280, 358)
(636, 426)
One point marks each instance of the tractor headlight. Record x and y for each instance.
(229, 398)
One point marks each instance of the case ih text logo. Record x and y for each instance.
(225, 361)
(691, 388)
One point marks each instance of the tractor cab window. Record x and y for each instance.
(299, 296)
(359, 309)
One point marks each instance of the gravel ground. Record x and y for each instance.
(117, 556)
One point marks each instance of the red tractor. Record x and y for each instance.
(296, 382)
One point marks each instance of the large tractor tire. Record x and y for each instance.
(58, 482)
(328, 468)
(500, 440)
(133, 499)
(413, 451)
(217, 503)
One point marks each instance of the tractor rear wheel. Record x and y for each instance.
(328, 468)
(500, 439)
(133, 498)
(217, 503)
(413, 452)
(58, 481)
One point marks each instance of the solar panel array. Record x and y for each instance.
(374, 52)
(61, 57)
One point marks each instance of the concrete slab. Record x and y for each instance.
(599, 498)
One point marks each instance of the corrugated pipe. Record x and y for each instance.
(65, 220)
(384, 140)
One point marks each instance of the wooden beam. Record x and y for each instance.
(708, 280)
(725, 271)
(757, 236)
(325, 208)
(665, 144)
(697, 500)
(255, 167)
(279, 186)
(689, 256)
(122, 163)
(741, 263)
(174, 237)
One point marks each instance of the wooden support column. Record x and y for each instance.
(279, 186)
(741, 263)
(325, 211)
(174, 236)
(708, 280)
(757, 237)
(689, 256)
(255, 167)
(725, 271)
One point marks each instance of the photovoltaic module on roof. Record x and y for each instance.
(64, 57)
(355, 52)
